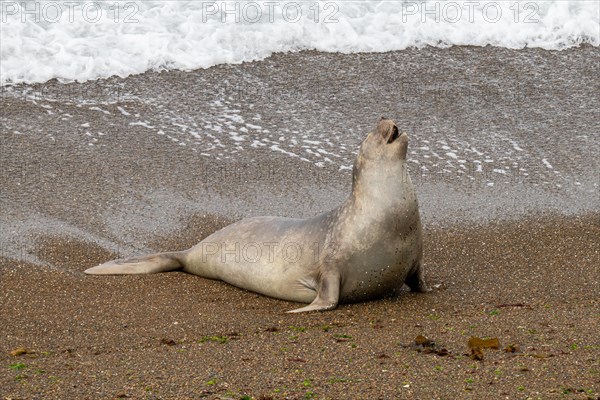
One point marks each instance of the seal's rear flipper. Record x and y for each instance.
(328, 295)
(152, 264)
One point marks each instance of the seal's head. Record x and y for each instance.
(381, 161)
(384, 143)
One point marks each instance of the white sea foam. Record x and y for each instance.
(83, 40)
(547, 164)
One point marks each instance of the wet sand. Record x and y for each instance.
(87, 176)
(529, 283)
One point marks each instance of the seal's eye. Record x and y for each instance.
(394, 135)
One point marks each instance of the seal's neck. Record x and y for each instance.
(381, 186)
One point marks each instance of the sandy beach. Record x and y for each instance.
(503, 152)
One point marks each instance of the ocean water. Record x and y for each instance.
(85, 40)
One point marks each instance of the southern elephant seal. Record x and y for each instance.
(365, 248)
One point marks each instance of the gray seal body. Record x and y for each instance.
(364, 249)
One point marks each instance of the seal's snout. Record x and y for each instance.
(388, 130)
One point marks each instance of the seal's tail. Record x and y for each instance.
(161, 262)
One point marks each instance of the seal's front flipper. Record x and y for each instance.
(416, 281)
(328, 294)
(152, 264)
